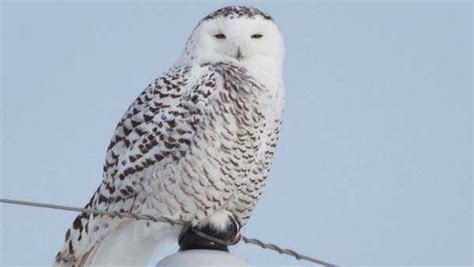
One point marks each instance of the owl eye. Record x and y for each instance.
(256, 36)
(220, 36)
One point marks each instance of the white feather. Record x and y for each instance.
(132, 244)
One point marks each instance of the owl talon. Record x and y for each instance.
(237, 239)
(206, 236)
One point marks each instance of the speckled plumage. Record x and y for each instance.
(198, 141)
(238, 12)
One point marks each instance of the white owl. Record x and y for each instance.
(196, 145)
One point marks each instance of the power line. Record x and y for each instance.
(247, 240)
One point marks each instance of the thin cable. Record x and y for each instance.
(146, 217)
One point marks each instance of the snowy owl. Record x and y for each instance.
(196, 145)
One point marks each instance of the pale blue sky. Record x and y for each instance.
(374, 166)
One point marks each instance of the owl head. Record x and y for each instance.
(242, 35)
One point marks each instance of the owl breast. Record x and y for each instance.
(230, 153)
(269, 108)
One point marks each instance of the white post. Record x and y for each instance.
(204, 248)
(202, 258)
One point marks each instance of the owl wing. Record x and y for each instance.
(157, 129)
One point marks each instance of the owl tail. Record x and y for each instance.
(130, 244)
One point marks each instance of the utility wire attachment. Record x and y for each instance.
(147, 217)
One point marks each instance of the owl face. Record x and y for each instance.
(253, 41)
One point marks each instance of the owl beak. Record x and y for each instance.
(239, 54)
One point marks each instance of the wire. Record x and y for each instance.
(247, 240)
